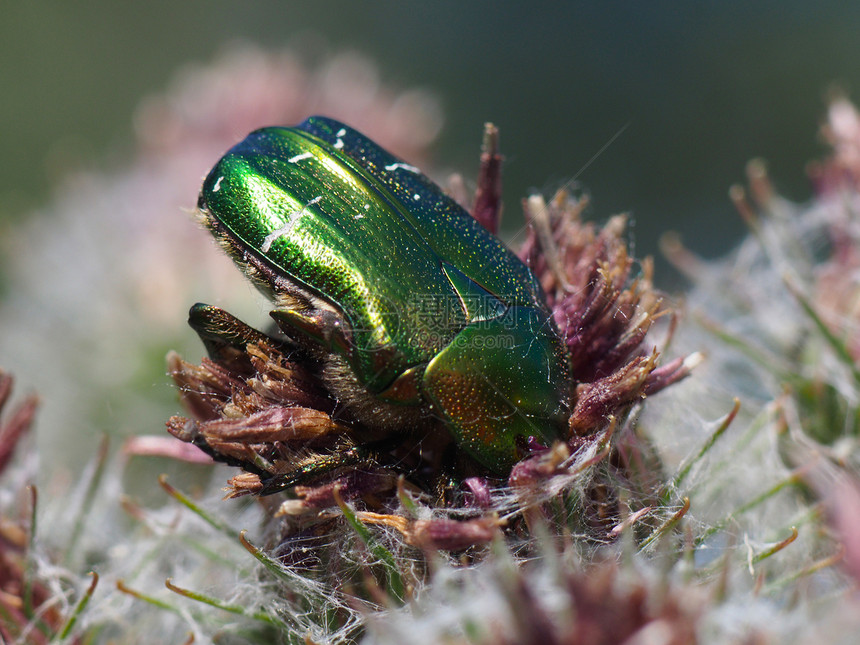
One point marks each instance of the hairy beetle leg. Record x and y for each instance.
(317, 467)
(225, 337)
(322, 326)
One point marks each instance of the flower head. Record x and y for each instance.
(258, 401)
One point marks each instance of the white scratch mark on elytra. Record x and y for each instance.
(339, 143)
(286, 228)
(217, 185)
(402, 166)
(304, 155)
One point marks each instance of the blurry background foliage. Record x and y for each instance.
(703, 86)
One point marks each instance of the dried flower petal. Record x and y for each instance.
(597, 401)
(439, 534)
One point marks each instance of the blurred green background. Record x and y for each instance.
(704, 86)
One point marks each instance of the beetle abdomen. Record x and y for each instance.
(500, 382)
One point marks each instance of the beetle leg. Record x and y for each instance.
(318, 466)
(321, 325)
(225, 336)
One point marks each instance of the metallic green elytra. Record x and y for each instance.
(423, 320)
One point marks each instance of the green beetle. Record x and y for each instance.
(421, 319)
